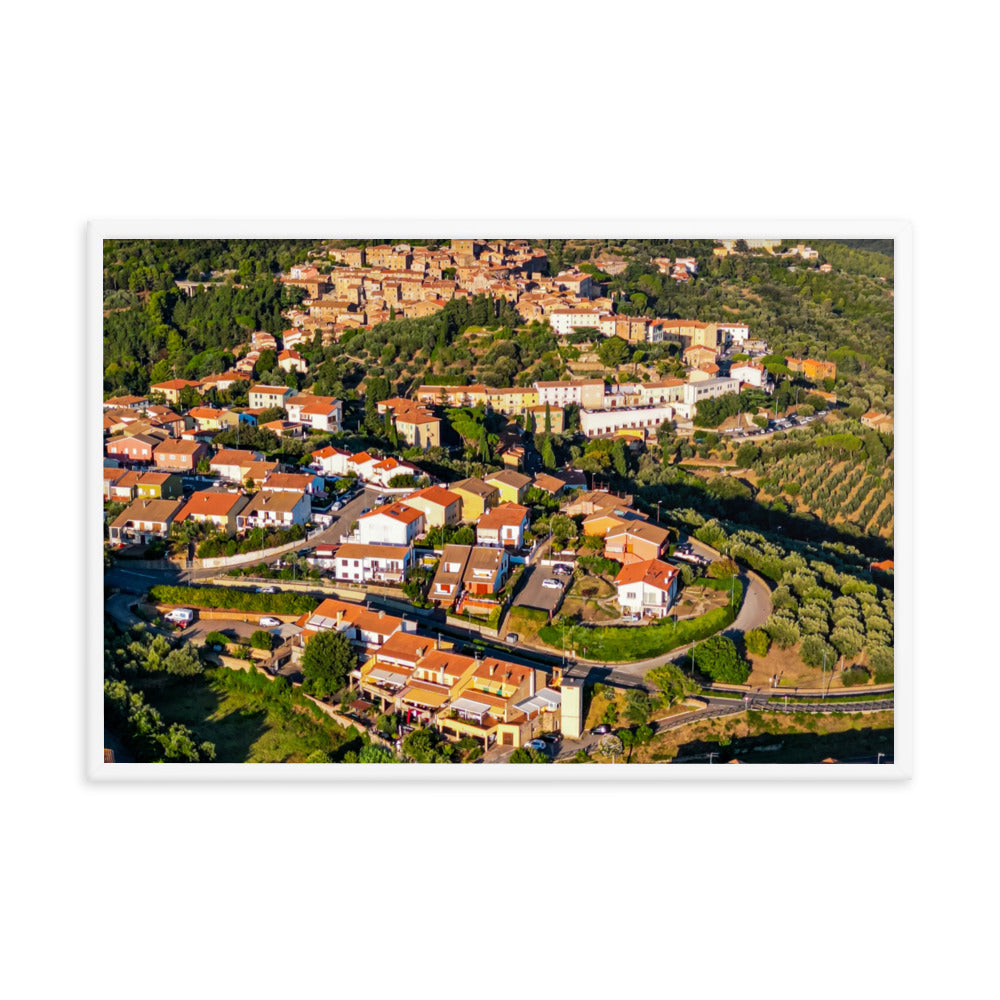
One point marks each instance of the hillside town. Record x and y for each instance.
(445, 497)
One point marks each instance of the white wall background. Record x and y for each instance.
(120, 110)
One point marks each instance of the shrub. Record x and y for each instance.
(854, 676)
(757, 641)
(216, 639)
(261, 640)
(717, 657)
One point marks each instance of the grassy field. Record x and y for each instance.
(792, 739)
(616, 644)
(245, 726)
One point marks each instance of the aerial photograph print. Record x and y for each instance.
(567, 501)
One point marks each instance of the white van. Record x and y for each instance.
(181, 616)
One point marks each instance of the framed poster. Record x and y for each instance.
(618, 494)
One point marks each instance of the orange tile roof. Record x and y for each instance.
(654, 572)
(210, 503)
(507, 514)
(436, 495)
(397, 511)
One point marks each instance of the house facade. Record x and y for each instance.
(274, 509)
(359, 563)
(647, 588)
(504, 526)
(143, 520)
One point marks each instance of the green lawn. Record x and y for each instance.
(246, 725)
(618, 644)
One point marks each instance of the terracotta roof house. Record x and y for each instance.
(182, 456)
(322, 413)
(274, 509)
(635, 541)
(267, 396)
(122, 487)
(171, 389)
(359, 563)
(159, 486)
(330, 461)
(485, 570)
(647, 588)
(126, 403)
(366, 629)
(295, 482)
(391, 524)
(216, 507)
(504, 525)
(439, 506)
(548, 484)
(232, 463)
(134, 448)
(143, 520)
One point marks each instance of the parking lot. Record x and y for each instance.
(534, 594)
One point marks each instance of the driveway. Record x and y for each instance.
(533, 595)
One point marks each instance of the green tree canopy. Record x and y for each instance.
(717, 658)
(326, 663)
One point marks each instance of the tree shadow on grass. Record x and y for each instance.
(194, 703)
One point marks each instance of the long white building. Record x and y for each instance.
(597, 423)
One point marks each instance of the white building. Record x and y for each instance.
(393, 524)
(331, 461)
(323, 413)
(647, 588)
(734, 333)
(697, 392)
(747, 371)
(361, 563)
(585, 392)
(597, 423)
(565, 321)
(278, 509)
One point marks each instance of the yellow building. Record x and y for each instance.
(512, 401)
(513, 486)
(419, 429)
(477, 497)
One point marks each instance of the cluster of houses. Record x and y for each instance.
(374, 284)
(381, 549)
(428, 683)
(149, 447)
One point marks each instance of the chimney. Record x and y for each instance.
(531, 682)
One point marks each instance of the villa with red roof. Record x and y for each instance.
(439, 506)
(215, 507)
(647, 588)
(392, 524)
(331, 461)
(503, 526)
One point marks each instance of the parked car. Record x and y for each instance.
(537, 745)
(552, 737)
(563, 570)
(631, 618)
(268, 621)
(601, 729)
(512, 637)
(336, 505)
(552, 584)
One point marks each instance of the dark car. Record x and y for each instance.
(551, 737)
(601, 729)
